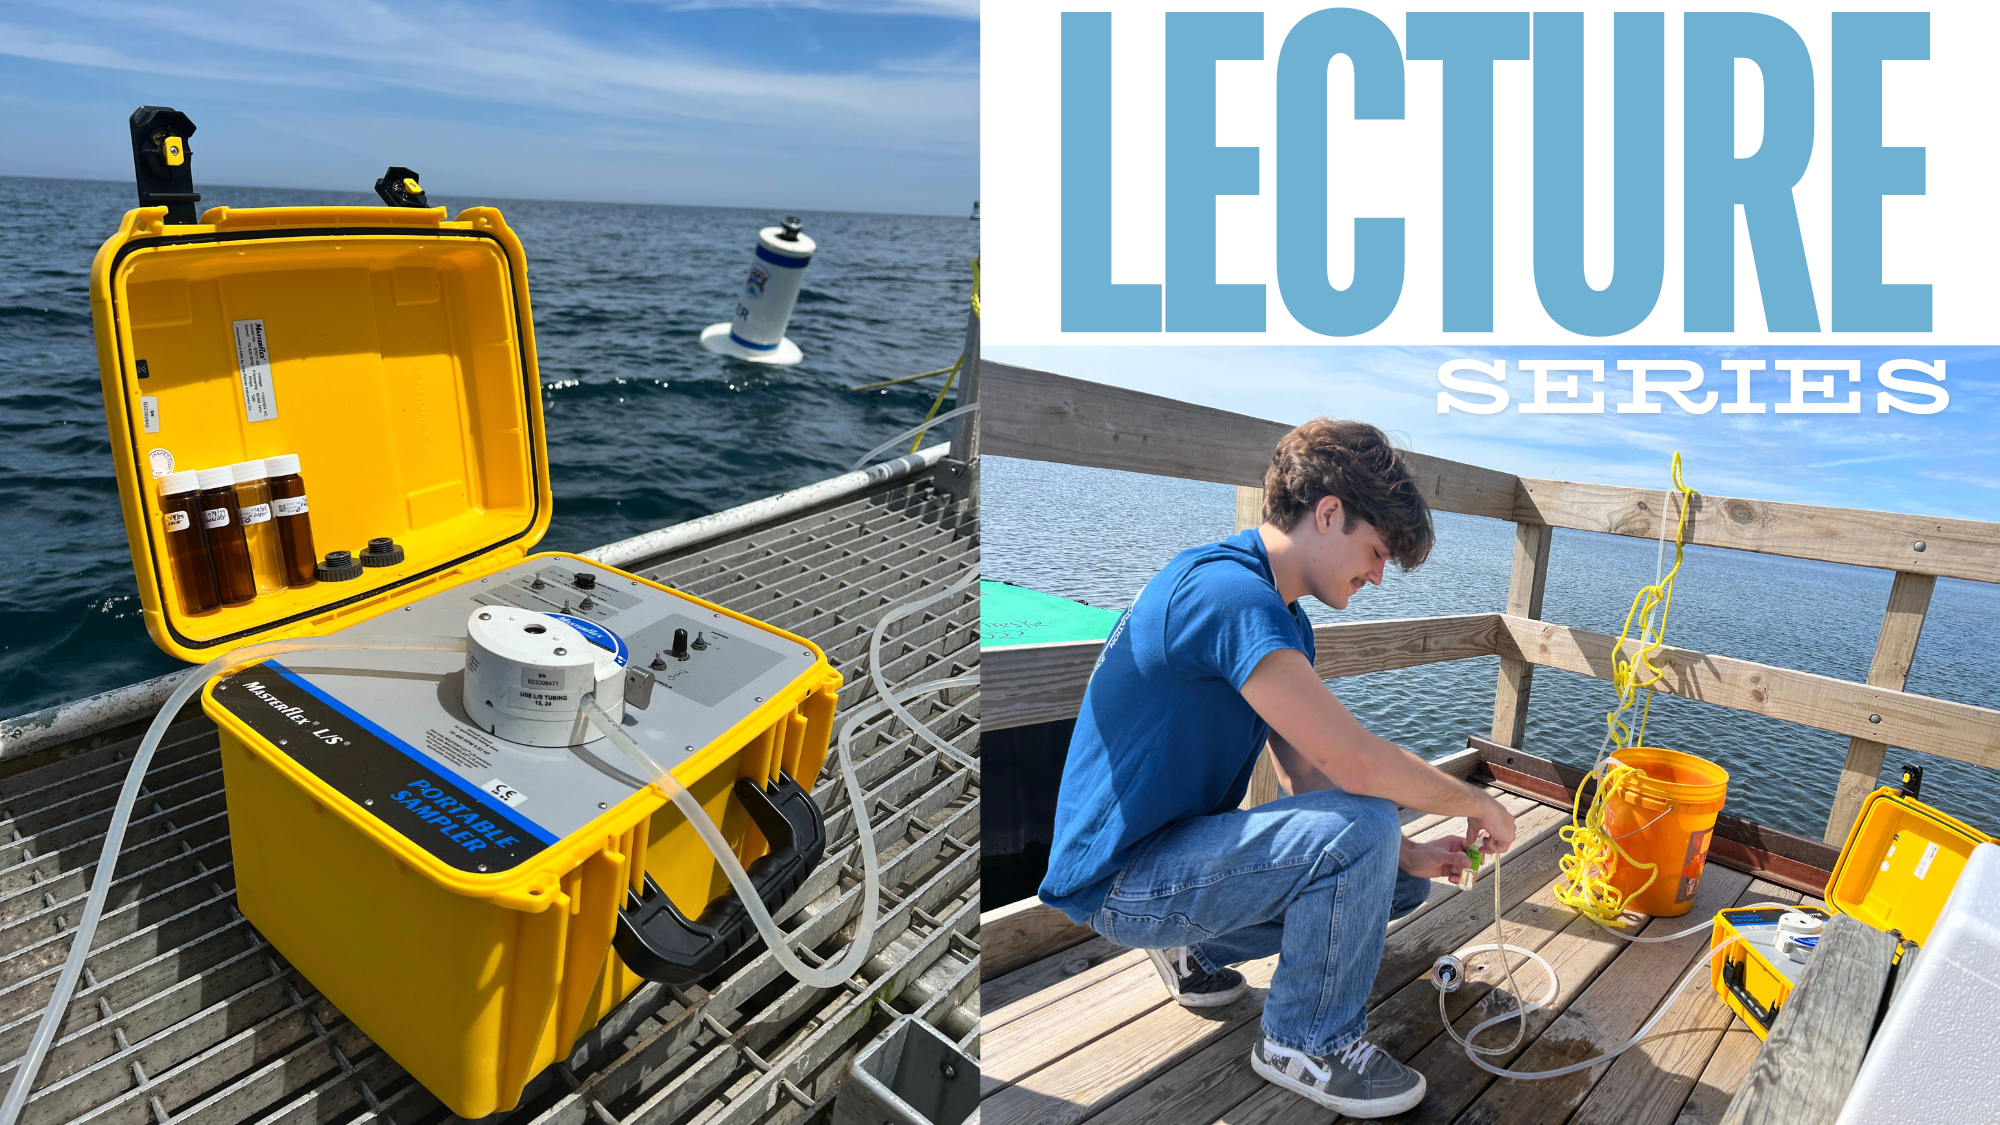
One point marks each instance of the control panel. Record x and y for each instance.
(364, 719)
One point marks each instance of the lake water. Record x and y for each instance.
(644, 428)
(1097, 535)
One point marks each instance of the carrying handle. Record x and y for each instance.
(1733, 975)
(659, 943)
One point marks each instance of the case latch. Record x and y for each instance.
(1913, 780)
(399, 187)
(162, 162)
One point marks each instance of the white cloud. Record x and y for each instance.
(948, 9)
(514, 58)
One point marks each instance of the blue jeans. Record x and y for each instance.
(1312, 878)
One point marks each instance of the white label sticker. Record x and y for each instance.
(163, 462)
(508, 795)
(178, 521)
(212, 518)
(289, 506)
(253, 365)
(256, 513)
(149, 409)
(1924, 864)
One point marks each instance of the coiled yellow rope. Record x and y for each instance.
(1594, 852)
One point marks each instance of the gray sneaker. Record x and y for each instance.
(1194, 986)
(1358, 1080)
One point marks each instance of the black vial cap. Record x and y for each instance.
(338, 566)
(381, 552)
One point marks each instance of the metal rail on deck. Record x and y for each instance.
(186, 1013)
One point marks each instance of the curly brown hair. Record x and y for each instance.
(1354, 462)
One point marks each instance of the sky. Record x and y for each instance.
(854, 105)
(1941, 464)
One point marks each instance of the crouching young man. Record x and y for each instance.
(1213, 662)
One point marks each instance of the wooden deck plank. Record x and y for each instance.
(1722, 1077)
(1407, 1023)
(1199, 1088)
(1059, 1064)
(1399, 1025)
(1605, 1015)
(1648, 1084)
(1070, 1025)
(1034, 987)
(1081, 1059)
(1412, 948)
(1021, 933)
(1580, 953)
(1037, 985)
(1083, 1080)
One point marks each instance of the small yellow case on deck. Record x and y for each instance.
(1897, 867)
(472, 925)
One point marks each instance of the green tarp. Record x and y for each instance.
(1016, 615)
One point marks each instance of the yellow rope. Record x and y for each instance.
(953, 377)
(1595, 854)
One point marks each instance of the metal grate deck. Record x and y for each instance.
(186, 1014)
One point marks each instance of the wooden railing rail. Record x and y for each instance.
(1044, 683)
(1045, 417)
(1959, 731)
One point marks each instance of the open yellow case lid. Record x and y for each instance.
(1900, 861)
(402, 372)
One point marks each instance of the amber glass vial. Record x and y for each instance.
(226, 546)
(288, 511)
(187, 543)
(253, 503)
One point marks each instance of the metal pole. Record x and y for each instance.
(958, 474)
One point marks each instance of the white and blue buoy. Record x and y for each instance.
(764, 307)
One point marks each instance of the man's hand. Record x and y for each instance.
(1439, 859)
(1498, 824)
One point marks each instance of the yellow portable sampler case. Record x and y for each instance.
(1896, 869)
(473, 904)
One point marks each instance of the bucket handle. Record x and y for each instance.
(658, 942)
(1663, 814)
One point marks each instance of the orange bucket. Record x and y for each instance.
(1665, 818)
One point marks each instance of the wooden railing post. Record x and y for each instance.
(1524, 599)
(1264, 780)
(1895, 648)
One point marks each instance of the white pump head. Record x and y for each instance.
(526, 674)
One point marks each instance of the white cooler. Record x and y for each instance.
(1937, 1055)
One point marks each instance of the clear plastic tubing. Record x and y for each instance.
(1521, 1010)
(121, 817)
(775, 939)
(888, 698)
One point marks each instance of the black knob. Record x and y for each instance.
(680, 649)
(339, 566)
(381, 552)
(585, 580)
